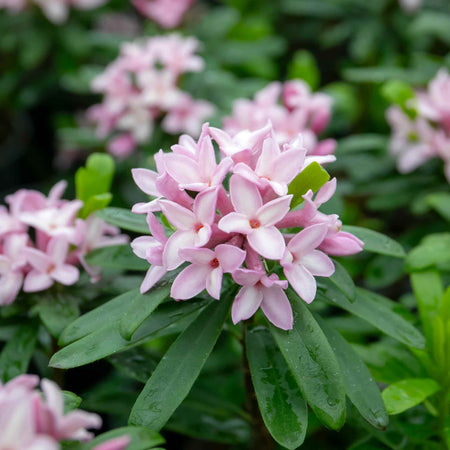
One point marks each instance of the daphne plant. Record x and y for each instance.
(242, 234)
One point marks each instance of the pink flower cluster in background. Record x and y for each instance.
(56, 11)
(167, 13)
(141, 86)
(35, 420)
(219, 229)
(411, 5)
(425, 133)
(42, 241)
(292, 108)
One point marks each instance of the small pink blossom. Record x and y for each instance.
(167, 13)
(206, 270)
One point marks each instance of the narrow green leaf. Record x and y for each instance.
(94, 320)
(440, 202)
(376, 242)
(106, 340)
(94, 203)
(57, 312)
(432, 251)
(141, 306)
(359, 384)
(313, 177)
(428, 289)
(406, 394)
(116, 257)
(136, 363)
(125, 219)
(176, 373)
(71, 401)
(313, 365)
(280, 402)
(343, 281)
(376, 310)
(141, 438)
(16, 354)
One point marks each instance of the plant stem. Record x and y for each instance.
(261, 438)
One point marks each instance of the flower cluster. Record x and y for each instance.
(219, 230)
(141, 86)
(167, 13)
(423, 131)
(56, 11)
(292, 108)
(42, 241)
(31, 419)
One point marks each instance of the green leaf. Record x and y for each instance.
(116, 257)
(17, 352)
(428, 289)
(343, 281)
(313, 364)
(376, 310)
(71, 401)
(94, 320)
(141, 306)
(440, 202)
(311, 177)
(125, 219)
(136, 363)
(359, 384)
(96, 202)
(376, 242)
(57, 312)
(280, 402)
(432, 251)
(406, 394)
(361, 143)
(141, 438)
(304, 67)
(398, 92)
(106, 340)
(176, 373)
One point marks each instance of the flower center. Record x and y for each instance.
(214, 263)
(254, 223)
(198, 227)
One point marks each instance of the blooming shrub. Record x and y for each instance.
(141, 86)
(42, 241)
(421, 129)
(218, 229)
(292, 108)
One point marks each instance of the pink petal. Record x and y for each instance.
(190, 282)
(146, 181)
(308, 239)
(289, 164)
(202, 236)
(318, 264)
(230, 257)
(178, 240)
(268, 242)
(206, 157)
(273, 211)
(270, 151)
(142, 244)
(53, 396)
(202, 256)
(214, 282)
(325, 192)
(246, 277)
(77, 421)
(153, 275)
(56, 192)
(119, 443)
(57, 249)
(180, 217)
(235, 223)
(156, 228)
(302, 281)
(245, 195)
(205, 206)
(183, 169)
(342, 244)
(246, 303)
(276, 307)
(10, 284)
(37, 281)
(65, 274)
(37, 259)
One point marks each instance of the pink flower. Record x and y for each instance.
(151, 248)
(255, 220)
(301, 261)
(51, 421)
(120, 443)
(167, 13)
(261, 291)
(193, 227)
(49, 267)
(206, 270)
(12, 267)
